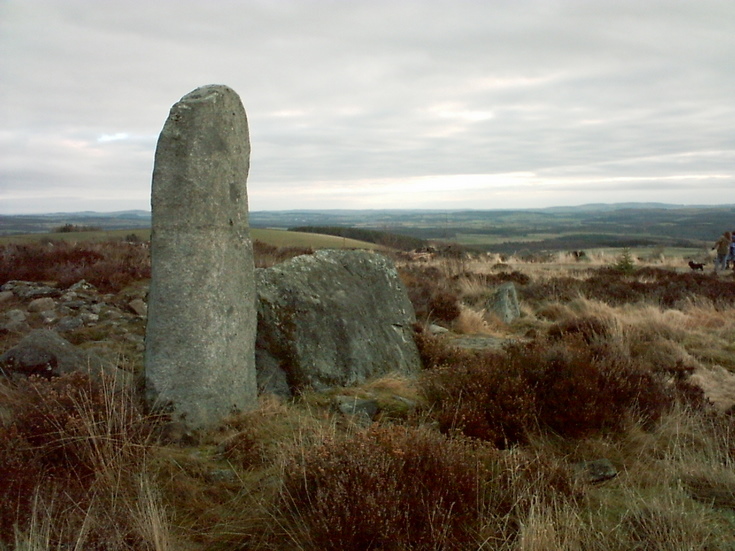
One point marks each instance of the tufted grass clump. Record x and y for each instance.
(75, 445)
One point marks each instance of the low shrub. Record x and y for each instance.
(580, 389)
(108, 266)
(435, 351)
(563, 385)
(590, 328)
(481, 397)
(384, 488)
(431, 295)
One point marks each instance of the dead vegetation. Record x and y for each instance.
(481, 451)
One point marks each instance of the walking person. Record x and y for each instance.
(731, 256)
(722, 246)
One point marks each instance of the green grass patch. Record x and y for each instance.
(278, 238)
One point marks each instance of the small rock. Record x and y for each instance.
(15, 315)
(69, 323)
(437, 329)
(49, 316)
(41, 304)
(113, 314)
(358, 407)
(29, 290)
(139, 307)
(89, 318)
(598, 470)
(82, 285)
(5, 296)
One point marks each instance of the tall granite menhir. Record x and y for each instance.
(200, 339)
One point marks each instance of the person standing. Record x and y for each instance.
(722, 246)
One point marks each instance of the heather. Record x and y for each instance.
(482, 450)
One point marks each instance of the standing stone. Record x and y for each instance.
(504, 303)
(200, 338)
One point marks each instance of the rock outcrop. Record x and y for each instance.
(45, 353)
(334, 318)
(200, 358)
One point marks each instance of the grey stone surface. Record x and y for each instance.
(29, 290)
(69, 323)
(41, 304)
(504, 303)
(200, 361)
(335, 318)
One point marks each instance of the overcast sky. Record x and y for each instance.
(442, 104)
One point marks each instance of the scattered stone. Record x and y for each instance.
(504, 303)
(113, 314)
(15, 315)
(139, 307)
(44, 352)
(49, 317)
(29, 290)
(437, 329)
(596, 471)
(357, 407)
(88, 318)
(5, 296)
(41, 304)
(82, 285)
(200, 360)
(335, 318)
(69, 323)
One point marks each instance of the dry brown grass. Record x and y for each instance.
(296, 474)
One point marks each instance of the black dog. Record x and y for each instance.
(696, 266)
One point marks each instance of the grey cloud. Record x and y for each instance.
(353, 91)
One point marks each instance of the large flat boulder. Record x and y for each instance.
(334, 318)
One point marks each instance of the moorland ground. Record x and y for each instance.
(623, 356)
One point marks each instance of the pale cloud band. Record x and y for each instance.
(379, 104)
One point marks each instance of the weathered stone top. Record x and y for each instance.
(205, 137)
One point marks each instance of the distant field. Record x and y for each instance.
(278, 238)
